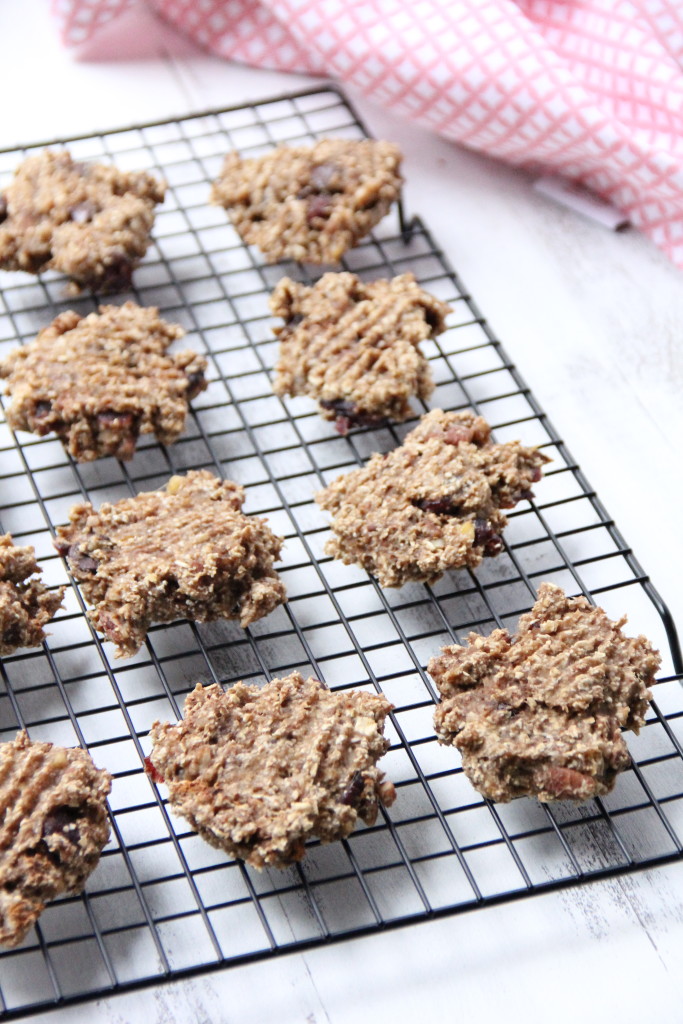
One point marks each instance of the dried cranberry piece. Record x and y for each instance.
(319, 206)
(349, 415)
(486, 537)
(455, 435)
(62, 821)
(439, 506)
(3, 209)
(153, 772)
(83, 212)
(62, 547)
(353, 790)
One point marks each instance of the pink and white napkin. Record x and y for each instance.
(588, 89)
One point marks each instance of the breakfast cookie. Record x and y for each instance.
(26, 605)
(91, 222)
(99, 381)
(432, 504)
(310, 203)
(355, 347)
(183, 552)
(540, 713)
(53, 826)
(257, 771)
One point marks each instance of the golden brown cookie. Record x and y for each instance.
(432, 504)
(183, 552)
(310, 203)
(101, 380)
(355, 347)
(53, 826)
(257, 771)
(540, 713)
(89, 221)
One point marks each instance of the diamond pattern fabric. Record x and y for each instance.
(588, 89)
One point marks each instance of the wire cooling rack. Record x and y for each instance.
(162, 903)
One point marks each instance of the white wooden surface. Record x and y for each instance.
(594, 321)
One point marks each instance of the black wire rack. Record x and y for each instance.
(162, 903)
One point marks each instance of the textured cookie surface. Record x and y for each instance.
(540, 713)
(186, 551)
(432, 504)
(90, 221)
(354, 346)
(53, 826)
(101, 380)
(310, 203)
(258, 771)
(26, 604)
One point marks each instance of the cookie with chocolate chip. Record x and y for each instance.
(257, 771)
(355, 347)
(99, 381)
(53, 826)
(541, 712)
(435, 503)
(186, 551)
(26, 604)
(89, 221)
(310, 203)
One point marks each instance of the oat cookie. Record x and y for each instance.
(101, 380)
(355, 347)
(53, 826)
(183, 552)
(258, 771)
(310, 203)
(540, 713)
(26, 605)
(432, 504)
(91, 222)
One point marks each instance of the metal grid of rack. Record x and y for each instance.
(162, 903)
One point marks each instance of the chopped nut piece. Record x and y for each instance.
(258, 771)
(310, 203)
(101, 380)
(539, 713)
(53, 825)
(355, 346)
(431, 505)
(189, 552)
(89, 221)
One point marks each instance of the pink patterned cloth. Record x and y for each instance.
(588, 89)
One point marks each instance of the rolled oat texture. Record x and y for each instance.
(355, 347)
(26, 604)
(258, 771)
(435, 503)
(186, 551)
(540, 713)
(101, 380)
(310, 203)
(89, 221)
(53, 826)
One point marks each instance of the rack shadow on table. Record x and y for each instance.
(162, 903)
